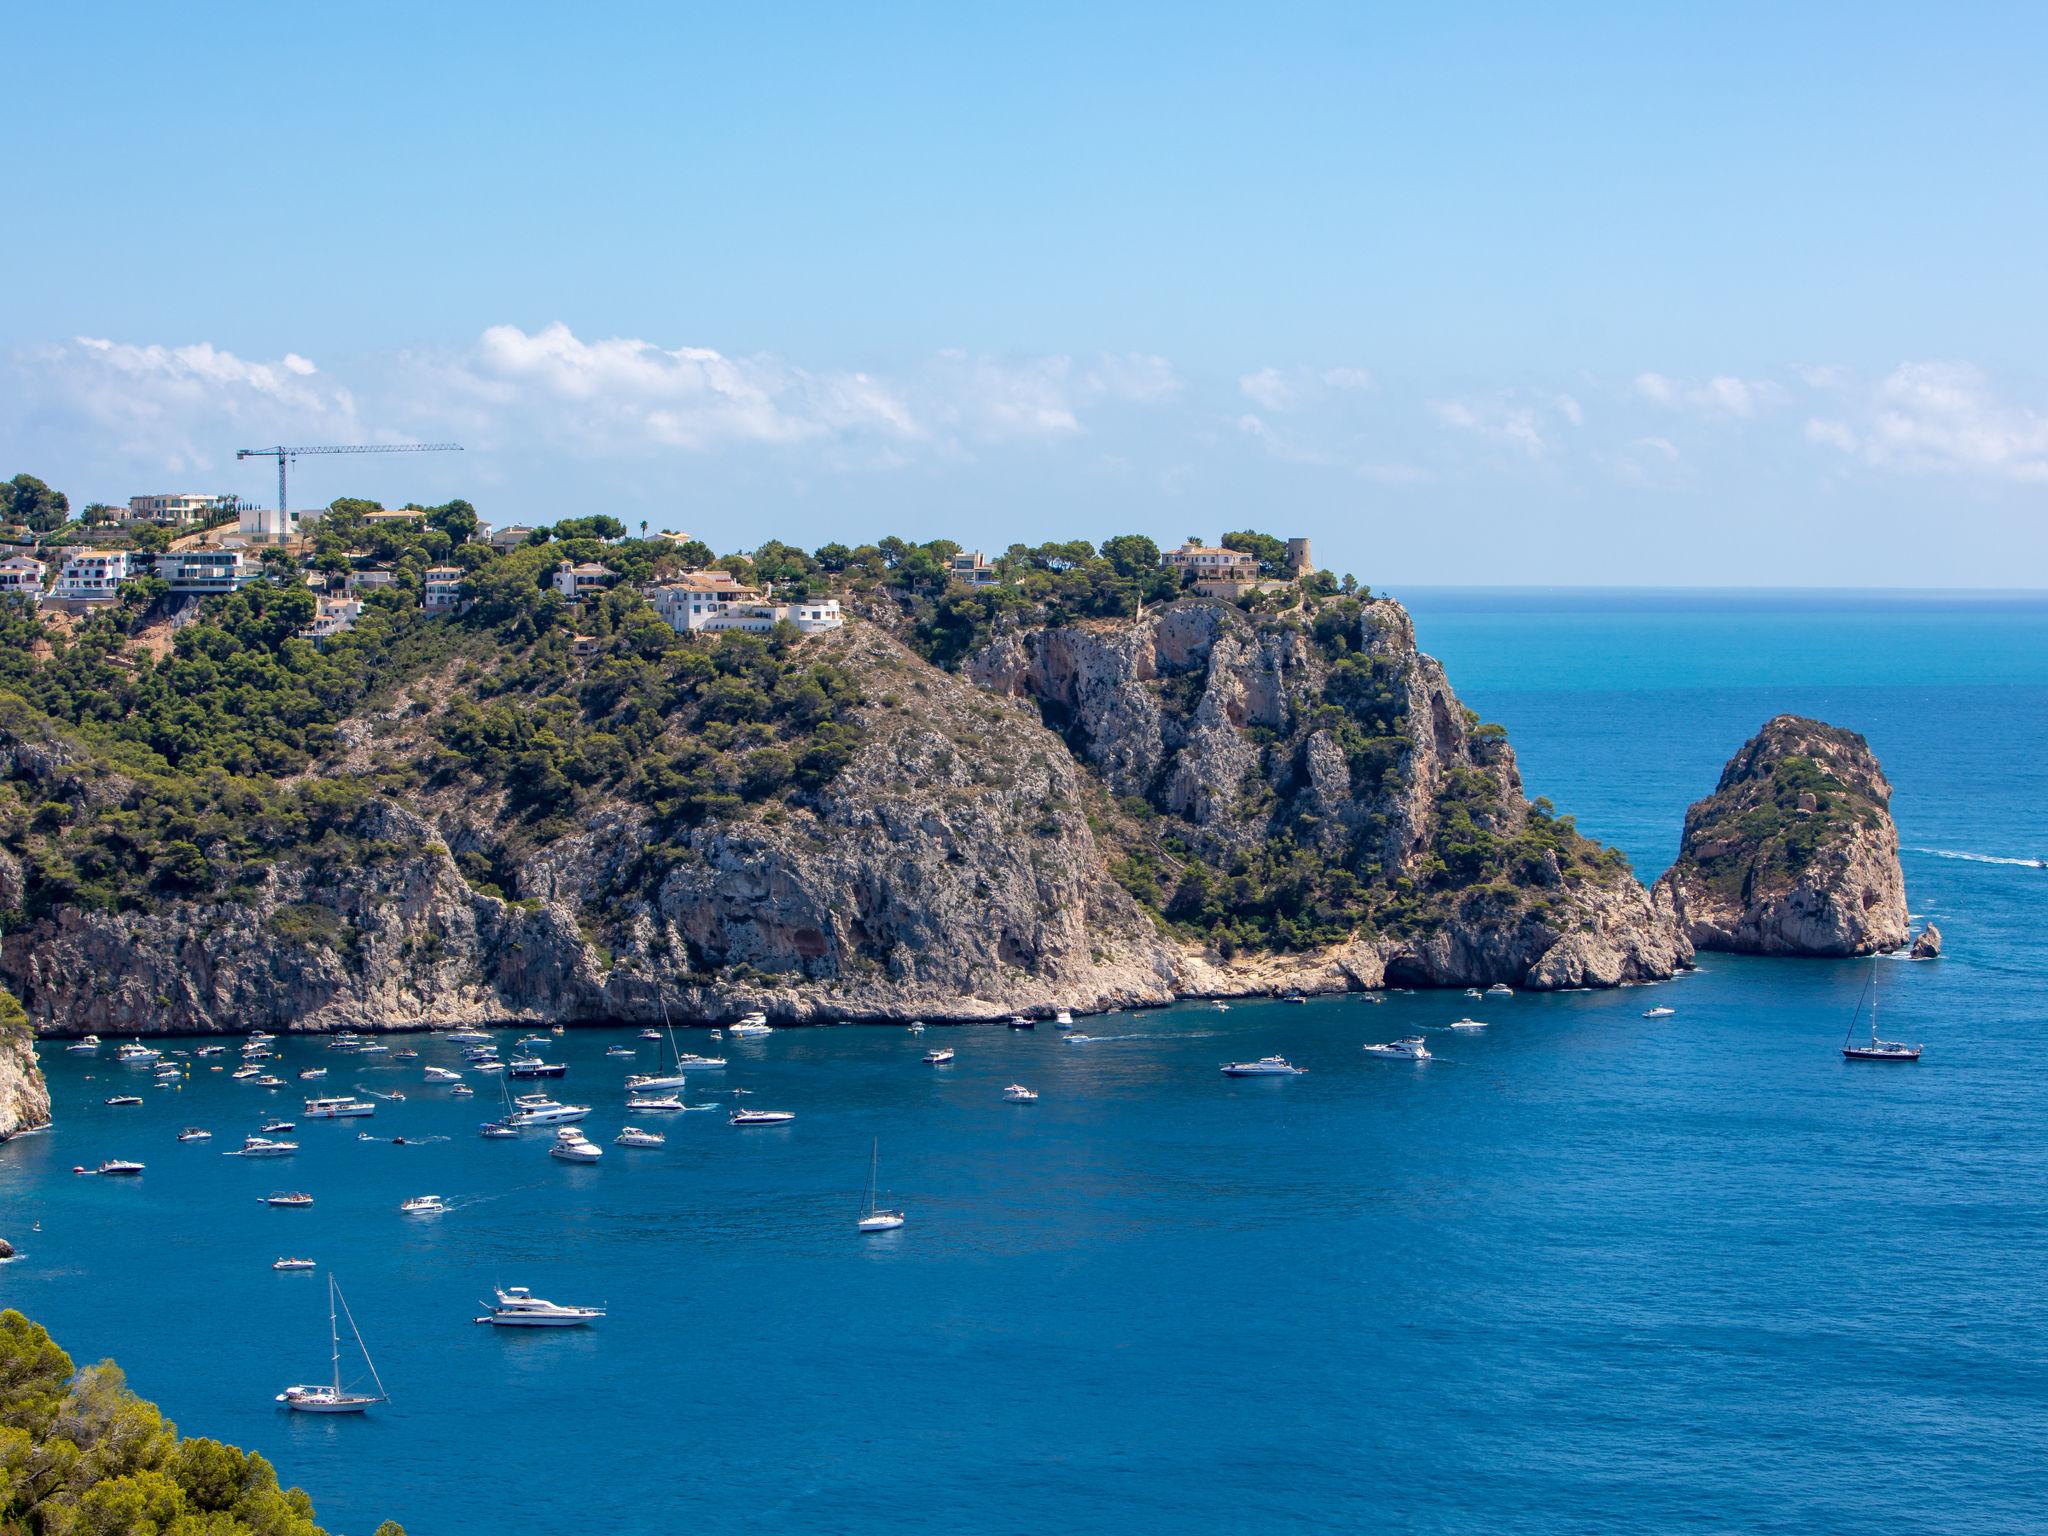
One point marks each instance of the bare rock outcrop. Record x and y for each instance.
(24, 1096)
(1795, 852)
(1927, 943)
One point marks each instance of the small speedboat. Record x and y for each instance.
(1017, 1093)
(124, 1100)
(424, 1205)
(85, 1044)
(916, 1026)
(1468, 1023)
(195, 1133)
(760, 1117)
(267, 1081)
(312, 1074)
(1063, 1019)
(272, 1127)
(290, 1200)
(293, 1264)
(572, 1146)
(1018, 1021)
(113, 1165)
(693, 1063)
(1408, 1048)
(650, 1034)
(939, 1058)
(1265, 1066)
(1220, 1007)
(633, 1136)
(136, 1054)
(1500, 989)
(657, 1103)
(618, 1050)
(211, 1050)
(1659, 1012)
(467, 1037)
(1294, 997)
(405, 1055)
(517, 1307)
(1474, 992)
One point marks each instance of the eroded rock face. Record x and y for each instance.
(1795, 852)
(1927, 944)
(24, 1096)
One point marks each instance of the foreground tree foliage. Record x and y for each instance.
(82, 1455)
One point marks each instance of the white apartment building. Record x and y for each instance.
(180, 509)
(204, 572)
(22, 576)
(974, 568)
(92, 576)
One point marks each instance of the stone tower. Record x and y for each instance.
(1299, 563)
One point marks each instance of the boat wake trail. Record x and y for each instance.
(1976, 858)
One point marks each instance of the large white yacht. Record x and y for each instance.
(538, 1109)
(751, 1027)
(343, 1108)
(517, 1307)
(1407, 1048)
(263, 1146)
(572, 1146)
(1265, 1066)
(85, 1044)
(440, 1075)
(467, 1037)
(633, 1136)
(136, 1054)
(760, 1117)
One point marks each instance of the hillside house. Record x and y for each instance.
(443, 590)
(333, 616)
(92, 576)
(578, 580)
(972, 568)
(22, 576)
(717, 600)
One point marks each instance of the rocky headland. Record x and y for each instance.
(1795, 852)
(1106, 812)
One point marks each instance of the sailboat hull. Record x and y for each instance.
(323, 1402)
(1867, 1053)
(880, 1223)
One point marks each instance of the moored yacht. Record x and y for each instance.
(123, 1100)
(112, 1165)
(633, 1136)
(572, 1146)
(263, 1146)
(195, 1133)
(85, 1044)
(537, 1109)
(292, 1264)
(440, 1075)
(1876, 1050)
(1265, 1066)
(517, 1307)
(497, 1130)
(1659, 1012)
(342, 1108)
(875, 1218)
(939, 1058)
(656, 1103)
(332, 1397)
(288, 1199)
(533, 1066)
(467, 1037)
(751, 1027)
(760, 1117)
(1064, 1019)
(1500, 989)
(136, 1054)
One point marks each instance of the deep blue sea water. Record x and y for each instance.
(1582, 1272)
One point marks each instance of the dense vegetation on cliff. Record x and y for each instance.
(82, 1455)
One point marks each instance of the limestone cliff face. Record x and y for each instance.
(1795, 852)
(24, 1097)
(1227, 726)
(950, 869)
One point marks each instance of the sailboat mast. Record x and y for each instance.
(874, 1162)
(333, 1337)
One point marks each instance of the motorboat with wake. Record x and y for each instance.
(332, 1396)
(1468, 1023)
(760, 1117)
(195, 1133)
(1017, 1093)
(424, 1205)
(289, 1200)
(1659, 1012)
(263, 1146)
(517, 1307)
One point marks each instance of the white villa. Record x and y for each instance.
(716, 600)
(443, 590)
(974, 568)
(204, 572)
(92, 576)
(22, 576)
(576, 581)
(334, 615)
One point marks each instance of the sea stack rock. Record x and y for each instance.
(24, 1096)
(1795, 852)
(1928, 945)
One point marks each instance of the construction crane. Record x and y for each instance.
(285, 455)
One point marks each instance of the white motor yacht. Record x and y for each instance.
(1017, 1093)
(263, 1146)
(85, 1044)
(113, 1165)
(292, 1200)
(312, 1074)
(658, 1103)
(424, 1205)
(1474, 992)
(692, 1063)
(123, 1100)
(136, 1054)
(618, 1050)
(1500, 989)
(534, 1066)
(760, 1117)
(1064, 1018)
(1468, 1023)
(572, 1146)
(752, 1027)
(440, 1075)
(1408, 1048)
(467, 1037)
(633, 1136)
(650, 1034)
(343, 1108)
(939, 1058)
(1265, 1066)
(546, 1113)
(517, 1307)
(293, 1264)
(1659, 1012)
(195, 1133)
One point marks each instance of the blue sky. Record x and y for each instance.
(1568, 293)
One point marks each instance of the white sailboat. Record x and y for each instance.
(872, 1217)
(332, 1397)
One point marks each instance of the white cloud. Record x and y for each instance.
(1946, 417)
(1831, 434)
(1268, 388)
(1721, 395)
(1285, 389)
(1135, 378)
(1530, 425)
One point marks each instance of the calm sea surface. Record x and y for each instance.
(1582, 1272)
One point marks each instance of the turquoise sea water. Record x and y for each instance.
(1582, 1272)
